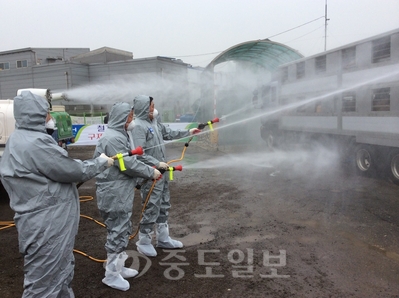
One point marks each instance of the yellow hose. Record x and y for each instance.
(96, 221)
(91, 258)
(6, 223)
(142, 209)
(8, 226)
(85, 198)
(181, 157)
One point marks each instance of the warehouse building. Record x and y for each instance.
(169, 80)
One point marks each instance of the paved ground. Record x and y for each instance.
(254, 224)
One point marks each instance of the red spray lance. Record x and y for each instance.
(209, 123)
(200, 126)
(137, 151)
(120, 156)
(169, 169)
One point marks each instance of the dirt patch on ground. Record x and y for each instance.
(265, 229)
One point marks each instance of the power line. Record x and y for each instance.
(304, 34)
(296, 27)
(266, 38)
(200, 54)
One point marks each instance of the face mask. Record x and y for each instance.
(50, 124)
(155, 113)
(131, 126)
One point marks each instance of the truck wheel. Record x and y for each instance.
(271, 138)
(393, 166)
(365, 161)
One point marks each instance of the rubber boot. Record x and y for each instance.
(163, 239)
(144, 245)
(127, 272)
(113, 269)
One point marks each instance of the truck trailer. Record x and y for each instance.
(347, 97)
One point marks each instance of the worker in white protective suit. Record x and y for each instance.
(115, 194)
(150, 134)
(40, 180)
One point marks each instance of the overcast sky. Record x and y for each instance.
(195, 31)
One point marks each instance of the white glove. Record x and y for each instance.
(194, 131)
(110, 161)
(163, 165)
(157, 174)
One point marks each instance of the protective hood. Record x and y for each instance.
(30, 111)
(142, 107)
(118, 116)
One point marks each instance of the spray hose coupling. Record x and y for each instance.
(209, 123)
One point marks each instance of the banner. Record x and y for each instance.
(88, 135)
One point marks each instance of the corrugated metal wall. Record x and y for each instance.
(50, 68)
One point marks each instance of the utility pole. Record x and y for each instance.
(325, 27)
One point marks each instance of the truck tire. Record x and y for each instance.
(365, 161)
(392, 166)
(271, 138)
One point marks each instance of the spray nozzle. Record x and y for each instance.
(210, 122)
(59, 96)
(171, 169)
(137, 151)
(176, 168)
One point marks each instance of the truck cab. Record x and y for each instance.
(7, 122)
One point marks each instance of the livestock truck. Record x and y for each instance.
(62, 134)
(347, 97)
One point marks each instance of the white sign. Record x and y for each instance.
(88, 135)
